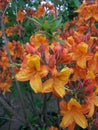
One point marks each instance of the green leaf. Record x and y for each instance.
(56, 24)
(46, 26)
(58, 40)
(77, 2)
(36, 21)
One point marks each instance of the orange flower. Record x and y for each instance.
(5, 19)
(37, 40)
(9, 31)
(93, 63)
(79, 73)
(5, 87)
(33, 71)
(40, 11)
(0, 33)
(56, 83)
(80, 54)
(72, 113)
(52, 128)
(92, 101)
(20, 15)
(88, 11)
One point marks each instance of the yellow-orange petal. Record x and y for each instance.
(33, 61)
(73, 104)
(47, 86)
(23, 75)
(80, 119)
(36, 83)
(58, 88)
(90, 74)
(66, 120)
(91, 109)
(96, 100)
(72, 126)
(64, 74)
(81, 62)
(82, 47)
(43, 71)
(63, 107)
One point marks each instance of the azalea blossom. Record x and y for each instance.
(56, 83)
(33, 71)
(73, 113)
(92, 101)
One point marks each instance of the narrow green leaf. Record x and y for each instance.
(46, 26)
(56, 24)
(58, 40)
(35, 20)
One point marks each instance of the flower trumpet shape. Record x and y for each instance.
(72, 114)
(32, 70)
(56, 82)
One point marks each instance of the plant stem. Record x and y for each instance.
(14, 73)
(58, 101)
(44, 110)
(9, 108)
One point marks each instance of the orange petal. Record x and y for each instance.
(81, 62)
(43, 71)
(82, 47)
(96, 100)
(67, 120)
(47, 86)
(33, 61)
(23, 75)
(72, 126)
(36, 83)
(80, 119)
(73, 103)
(58, 88)
(64, 74)
(63, 107)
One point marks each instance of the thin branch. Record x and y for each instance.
(44, 110)
(14, 73)
(9, 108)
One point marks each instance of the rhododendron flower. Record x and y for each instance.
(30, 48)
(38, 39)
(88, 11)
(93, 63)
(61, 55)
(79, 73)
(80, 54)
(56, 83)
(40, 11)
(33, 71)
(5, 86)
(72, 112)
(20, 15)
(92, 101)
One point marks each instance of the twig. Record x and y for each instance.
(13, 72)
(58, 101)
(9, 108)
(44, 110)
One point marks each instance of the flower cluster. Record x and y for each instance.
(68, 70)
(6, 76)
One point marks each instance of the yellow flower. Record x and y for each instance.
(56, 83)
(80, 54)
(33, 71)
(92, 101)
(72, 113)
